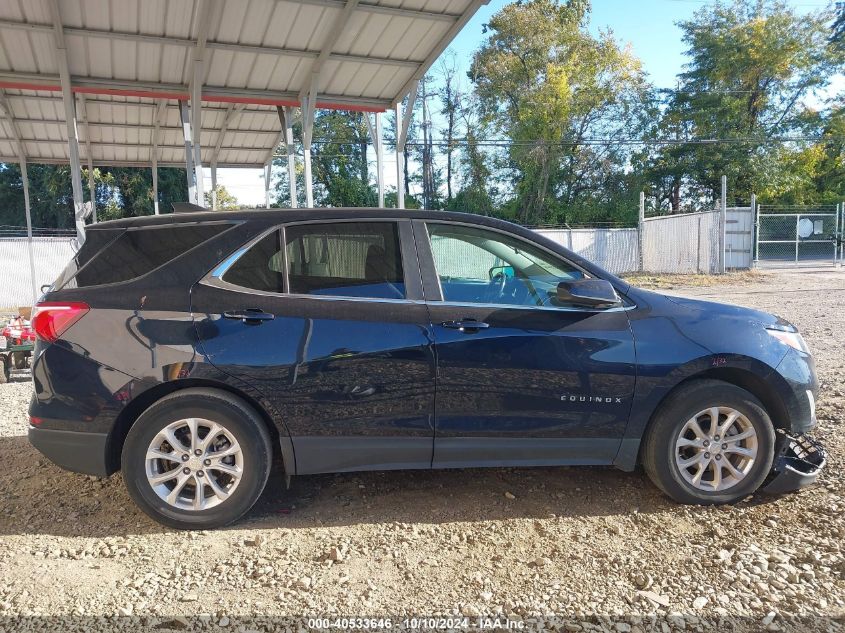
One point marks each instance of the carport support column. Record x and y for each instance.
(70, 120)
(92, 189)
(378, 142)
(308, 104)
(73, 145)
(155, 182)
(196, 128)
(267, 174)
(189, 155)
(25, 181)
(214, 186)
(286, 115)
(403, 122)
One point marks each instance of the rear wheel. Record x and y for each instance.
(197, 459)
(711, 442)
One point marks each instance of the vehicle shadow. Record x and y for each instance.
(40, 498)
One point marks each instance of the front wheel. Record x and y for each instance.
(711, 442)
(197, 459)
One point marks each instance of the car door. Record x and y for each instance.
(522, 379)
(326, 320)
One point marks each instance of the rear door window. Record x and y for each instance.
(347, 259)
(343, 259)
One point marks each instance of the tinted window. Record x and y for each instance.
(139, 251)
(95, 239)
(482, 266)
(262, 267)
(349, 259)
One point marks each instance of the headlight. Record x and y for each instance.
(793, 339)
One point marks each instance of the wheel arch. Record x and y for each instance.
(742, 378)
(282, 445)
(739, 373)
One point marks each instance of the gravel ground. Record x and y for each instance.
(568, 548)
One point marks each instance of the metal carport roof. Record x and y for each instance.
(192, 82)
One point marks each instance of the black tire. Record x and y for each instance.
(19, 359)
(237, 418)
(659, 446)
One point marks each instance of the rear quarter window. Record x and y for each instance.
(96, 239)
(137, 252)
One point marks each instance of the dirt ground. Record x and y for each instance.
(570, 549)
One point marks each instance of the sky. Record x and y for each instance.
(648, 26)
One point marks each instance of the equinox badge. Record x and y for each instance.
(599, 399)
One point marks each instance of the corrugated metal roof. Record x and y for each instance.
(128, 57)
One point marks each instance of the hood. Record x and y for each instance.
(719, 328)
(716, 309)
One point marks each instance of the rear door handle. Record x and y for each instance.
(250, 316)
(466, 325)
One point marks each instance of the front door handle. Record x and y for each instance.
(250, 316)
(466, 325)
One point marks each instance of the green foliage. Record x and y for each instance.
(225, 200)
(545, 83)
(751, 65)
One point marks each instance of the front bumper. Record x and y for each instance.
(81, 452)
(799, 460)
(798, 388)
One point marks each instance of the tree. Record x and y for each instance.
(549, 86)
(225, 200)
(450, 95)
(340, 163)
(752, 64)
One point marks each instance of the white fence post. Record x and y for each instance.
(756, 235)
(640, 228)
(724, 221)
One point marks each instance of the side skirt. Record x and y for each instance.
(468, 452)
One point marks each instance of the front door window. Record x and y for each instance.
(476, 265)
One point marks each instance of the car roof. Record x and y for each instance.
(293, 215)
(350, 213)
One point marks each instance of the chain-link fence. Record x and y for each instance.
(798, 236)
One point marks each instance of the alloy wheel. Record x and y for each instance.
(716, 448)
(194, 464)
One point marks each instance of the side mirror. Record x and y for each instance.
(591, 293)
(501, 271)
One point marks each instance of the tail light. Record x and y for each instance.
(51, 319)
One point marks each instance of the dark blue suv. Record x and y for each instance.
(190, 350)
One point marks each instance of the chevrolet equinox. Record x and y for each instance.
(191, 350)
